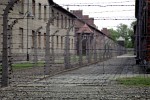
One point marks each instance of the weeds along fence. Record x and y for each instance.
(31, 51)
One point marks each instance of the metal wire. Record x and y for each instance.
(51, 52)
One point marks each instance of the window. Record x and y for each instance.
(21, 37)
(53, 15)
(72, 24)
(39, 11)
(69, 22)
(62, 21)
(33, 7)
(65, 22)
(22, 7)
(57, 40)
(69, 43)
(76, 29)
(61, 42)
(33, 32)
(39, 40)
(72, 44)
(45, 17)
(57, 19)
(44, 40)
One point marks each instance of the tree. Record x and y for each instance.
(122, 29)
(131, 32)
(114, 34)
(125, 32)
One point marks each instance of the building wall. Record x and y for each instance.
(28, 25)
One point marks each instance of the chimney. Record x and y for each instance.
(68, 8)
(78, 13)
(86, 18)
(105, 31)
(91, 21)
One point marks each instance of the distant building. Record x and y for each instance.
(86, 32)
(85, 18)
(121, 41)
(92, 38)
(106, 31)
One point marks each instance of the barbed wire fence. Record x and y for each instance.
(43, 52)
(24, 64)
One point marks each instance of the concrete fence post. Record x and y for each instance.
(5, 54)
(67, 51)
(48, 56)
(35, 60)
(89, 49)
(10, 27)
(80, 49)
(52, 47)
(95, 52)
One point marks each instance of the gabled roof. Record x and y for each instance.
(60, 8)
(85, 29)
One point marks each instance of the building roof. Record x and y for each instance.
(120, 39)
(60, 8)
(85, 29)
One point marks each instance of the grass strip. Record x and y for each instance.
(26, 65)
(135, 81)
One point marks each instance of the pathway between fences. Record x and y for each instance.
(93, 82)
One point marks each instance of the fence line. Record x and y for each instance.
(36, 55)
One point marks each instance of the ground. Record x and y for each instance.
(93, 82)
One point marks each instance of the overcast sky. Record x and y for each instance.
(106, 10)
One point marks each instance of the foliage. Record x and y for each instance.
(125, 32)
(122, 30)
(134, 81)
(114, 34)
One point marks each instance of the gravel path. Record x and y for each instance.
(94, 82)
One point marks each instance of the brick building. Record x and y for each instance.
(99, 41)
(32, 14)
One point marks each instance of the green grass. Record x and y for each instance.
(26, 65)
(22, 65)
(135, 81)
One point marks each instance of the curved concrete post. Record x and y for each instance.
(5, 55)
(48, 57)
(95, 50)
(52, 41)
(35, 60)
(66, 52)
(80, 49)
(89, 48)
